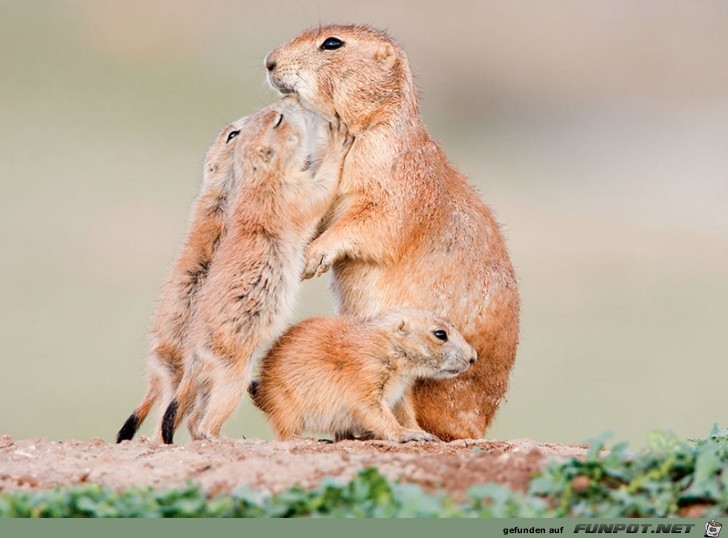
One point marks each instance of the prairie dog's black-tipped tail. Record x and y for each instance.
(168, 422)
(130, 427)
(253, 388)
(133, 423)
(254, 391)
(178, 407)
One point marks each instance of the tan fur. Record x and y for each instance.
(170, 322)
(407, 230)
(350, 378)
(251, 286)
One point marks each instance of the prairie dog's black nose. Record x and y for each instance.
(270, 62)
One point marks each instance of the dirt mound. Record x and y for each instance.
(270, 466)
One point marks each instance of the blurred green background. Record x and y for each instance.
(597, 131)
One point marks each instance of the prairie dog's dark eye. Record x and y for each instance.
(442, 335)
(232, 135)
(279, 120)
(332, 43)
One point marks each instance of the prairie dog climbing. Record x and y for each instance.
(171, 319)
(286, 166)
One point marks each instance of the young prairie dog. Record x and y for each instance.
(280, 196)
(406, 229)
(350, 378)
(171, 318)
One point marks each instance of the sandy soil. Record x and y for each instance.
(270, 466)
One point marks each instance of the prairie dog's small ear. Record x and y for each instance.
(265, 152)
(385, 55)
(402, 328)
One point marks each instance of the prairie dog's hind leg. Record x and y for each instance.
(198, 412)
(284, 429)
(226, 391)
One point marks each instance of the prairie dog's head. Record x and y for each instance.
(431, 346)
(354, 72)
(219, 157)
(278, 140)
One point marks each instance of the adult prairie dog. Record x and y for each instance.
(406, 229)
(347, 378)
(171, 319)
(282, 191)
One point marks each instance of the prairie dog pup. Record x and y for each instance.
(171, 318)
(346, 377)
(280, 197)
(406, 230)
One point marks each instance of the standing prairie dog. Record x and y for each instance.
(350, 378)
(281, 193)
(171, 318)
(406, 230)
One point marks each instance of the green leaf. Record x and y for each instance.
(662, 443)
(596, 445)
(705, 484)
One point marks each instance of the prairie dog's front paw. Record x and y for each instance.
(339, 138)
(318, 261)
(416, 435)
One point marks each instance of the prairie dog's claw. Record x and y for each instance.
(339, 134)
